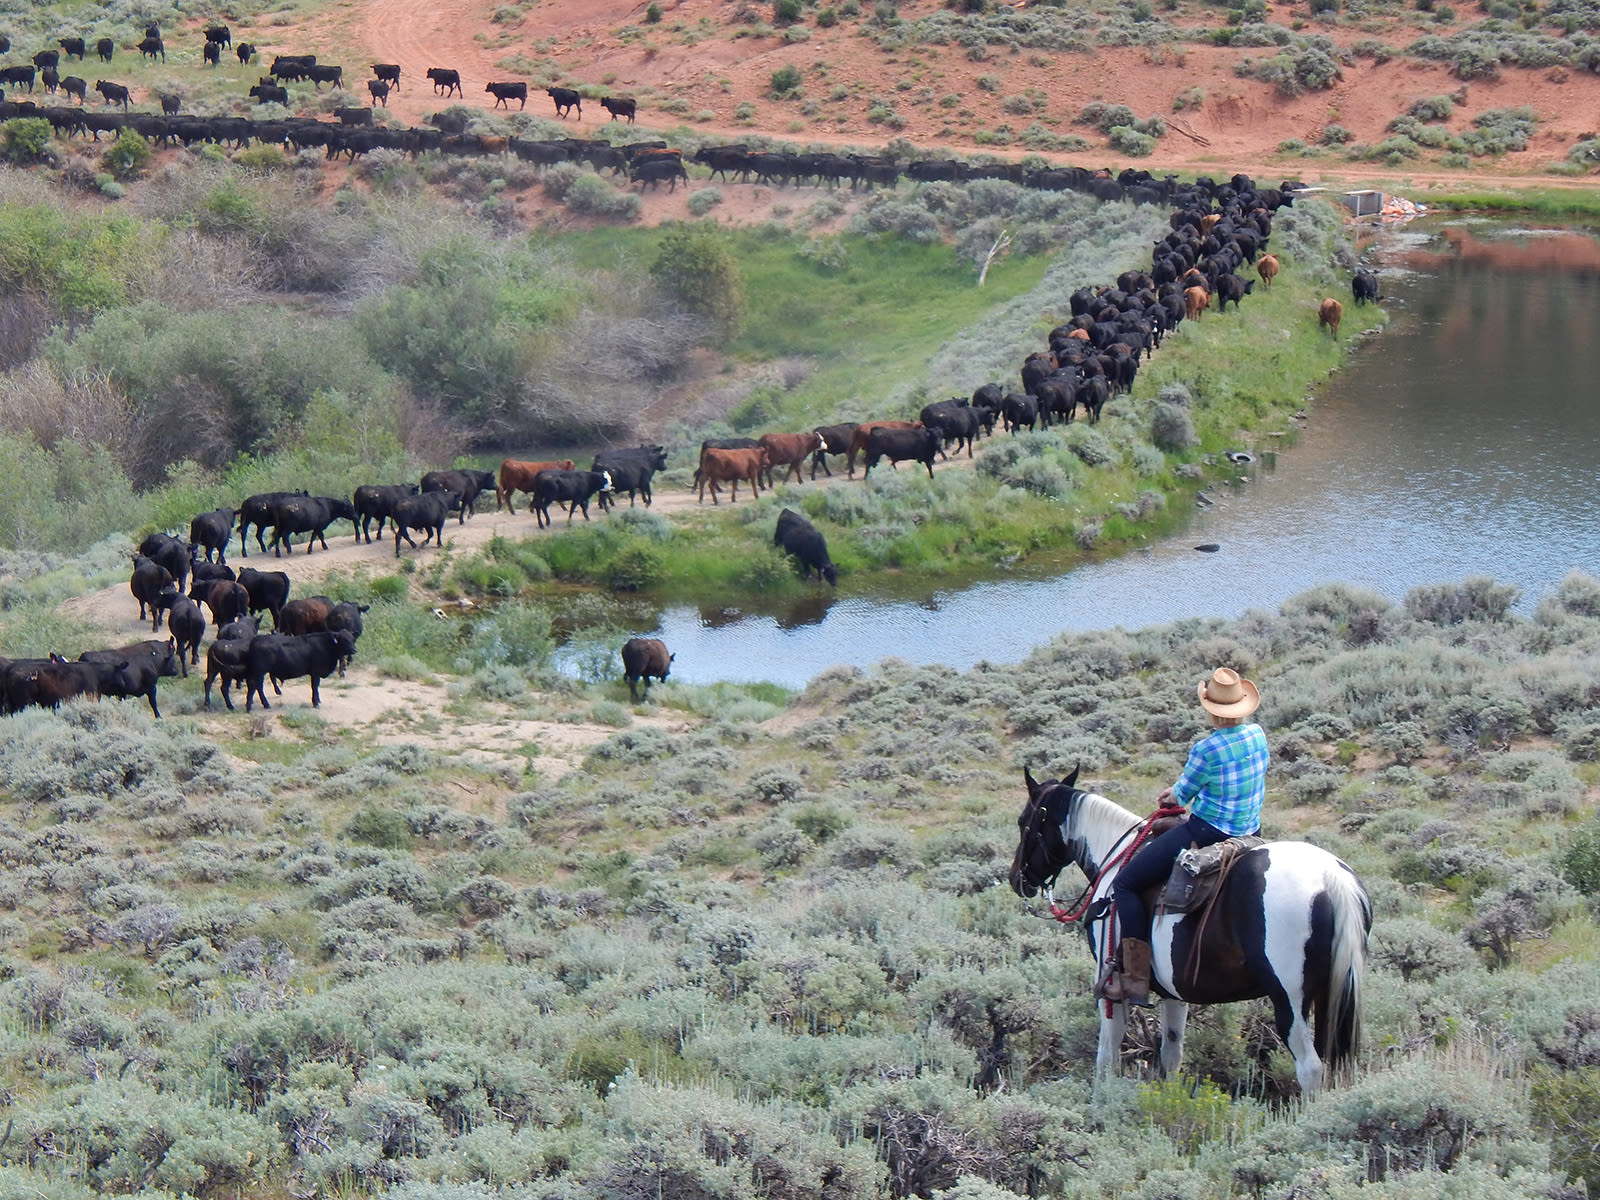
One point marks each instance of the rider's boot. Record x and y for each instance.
(1129, 981)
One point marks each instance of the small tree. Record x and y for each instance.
(786, 80)
(696, 267)
(128, 155)
(25, 139)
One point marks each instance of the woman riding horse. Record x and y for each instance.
(1223, 784)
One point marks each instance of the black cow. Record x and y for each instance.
(211, 53)
(16, 76)
(187, 625)
(257, 510)
(268, 590)
(1018, 409)
(219, 35)
(631, 471)
(427, 511)
(504, 93)
(47, 58)
(314, 654)
(228, 600)
(245, 51)
(291, 66)
(72, 47)
(133, 670)
(566, 101)
(309, 515)
(212, 531)
(170, 105)
(1231, 287)
(229, 660)
(153, 587)
(467, 484)
(620, 107)
(572, 488)
(445, 81)
(111, 93)
(72, 85)
(105, 48)
(173, 553)
(50, 78)
(346, 615)
(387, 73)
(152, 47)
(380, 92)
(646, 659)
(270, 93)
(1364, 286)
(653, 171)
(204, 575)
(797, 536)
(835, 440)
(320, 75)
(352, 116)
(374, 502)
(897, 445)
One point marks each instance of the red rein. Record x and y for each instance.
(1069, 916)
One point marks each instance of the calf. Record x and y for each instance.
(16, 76)
(320, 75)
(1364, 286)
(346, 616)
(797, 536)
(1018, 409)
(631, 470)
(74, 86)
(187, 625)
(245, 51)
(730, 466)
(204, 575)
(835, 440)
(316, 655)
(72, 47)
(213, 529)
(620, 107)
(645, 658)
(897, 445)
(518, 476)
(306, 615)
(133, 670)
(1231, 287)
(47, 58)
(170, 105)
(219, 35)
(504, 93)
(1329, 313)
(1195, 301)
(228, 658)
(268, 591)
(427, 511)
(380, 92)
(566, 100)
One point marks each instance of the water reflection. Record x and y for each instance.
(1463, 442)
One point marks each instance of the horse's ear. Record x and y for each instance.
(1033, 784)
(1072, 780)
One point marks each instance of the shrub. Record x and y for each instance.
(1335, 135)
(1476, 599)
(695, 266)
(594, 197)
(25, 139)
(1579, 863)
(1172, 428)
(785, 12)
(703, 200)
(1105, 117)
(128, 155)
(1131, 142)
(786, 80)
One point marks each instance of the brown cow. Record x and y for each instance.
(308, 615)
(517, 476)
(730, 466)
(644, 658)
(1195, 301)
(1209, 222)
(1267, 268)
(788, 451)
(858, 440)
(1329, 313)
(1081, 335)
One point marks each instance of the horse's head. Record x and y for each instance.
(1042, 851)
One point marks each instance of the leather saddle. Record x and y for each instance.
(1199, 871)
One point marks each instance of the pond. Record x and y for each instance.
(1463, 441)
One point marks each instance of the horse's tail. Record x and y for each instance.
(1338, 1026)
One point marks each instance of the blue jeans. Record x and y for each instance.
(1151, 866)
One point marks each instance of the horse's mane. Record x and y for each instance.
(1098, 823)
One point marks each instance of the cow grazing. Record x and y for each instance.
(504, 93)
(211, 54)
(228, 600)
(375, 502)
(131, 671)
(619, 106)
(219, 35)
(1329, 313)
(315, 654)
(187, 625)
(1267, 267)
(467, 484)
(111, 93)
(858, 440)
(566, 100)
(730, 466)
(897, 445)
(1364, 286)
(212, 530)
(427, 511)
(835, 440)
(518, 476)
(388, 73)
(445, 81)
(573, 488)
(380, 92)
(310, 515)
(153, 47)
(105, 48)
(787, 451)
(797, 536)
(268, 591)
(153, 587)
(646, 659)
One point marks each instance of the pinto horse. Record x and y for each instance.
(1290, 923)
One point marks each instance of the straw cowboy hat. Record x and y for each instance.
(1227, 694)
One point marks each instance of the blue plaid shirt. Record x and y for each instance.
(1225, 779)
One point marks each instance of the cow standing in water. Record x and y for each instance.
(645, 658)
